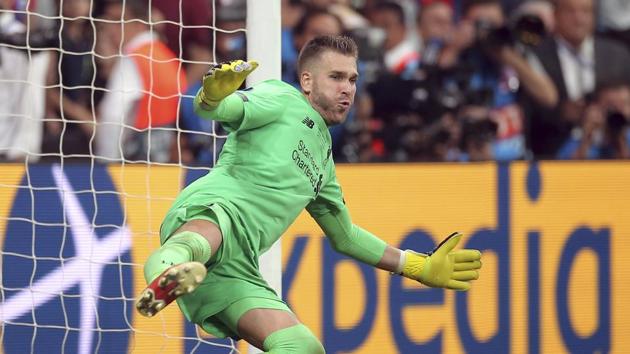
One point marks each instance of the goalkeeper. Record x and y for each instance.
(276, 162)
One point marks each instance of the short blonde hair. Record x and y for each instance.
(318, 45)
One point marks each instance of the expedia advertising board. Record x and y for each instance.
(555, 239)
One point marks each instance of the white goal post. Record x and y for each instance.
(263, 44)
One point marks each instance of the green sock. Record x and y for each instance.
(186, 246)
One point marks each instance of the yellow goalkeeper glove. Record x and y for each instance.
(223, 79)
(443, 268)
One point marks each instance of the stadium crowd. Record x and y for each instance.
(440, 80)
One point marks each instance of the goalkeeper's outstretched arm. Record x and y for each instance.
(444, 267)
(215, 99)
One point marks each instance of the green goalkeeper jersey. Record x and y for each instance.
(276, 161)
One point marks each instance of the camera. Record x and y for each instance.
(616, 121)
(477, 133)
(528, 30)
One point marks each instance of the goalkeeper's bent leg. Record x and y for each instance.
(179, 266)
(185, 246)
(269, 325)
(297, 339)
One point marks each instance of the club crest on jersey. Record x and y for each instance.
(308, 122)
(328, 153)
(318, 186)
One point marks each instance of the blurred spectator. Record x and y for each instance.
(201, 140)
(139, 110)
(543, 9)
(434, 24)
(22, 79)
(352, 20)
(435, 21)
(190, 36)
(231, 39)
(444, 140)
(614, 100)
(604, 127)
(28, 13)
(69, 111)
(578, 62)
(319, 4)
(614, 18)
(509, 6)
(45, 11)
(404, 121)
(586, 140)
(292, 12)
(399, 49)
(488, 45)
(315, 22)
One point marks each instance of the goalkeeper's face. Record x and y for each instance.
(330, 84)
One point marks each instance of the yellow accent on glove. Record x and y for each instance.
(223, 79)
(444, 268)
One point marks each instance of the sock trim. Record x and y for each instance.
(198, 245)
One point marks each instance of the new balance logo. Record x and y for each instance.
(308, 122)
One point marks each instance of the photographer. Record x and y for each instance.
(404, 113)
(485, 52)
(604, 128)
(578, 62)
(69, 99)
(615, 101)
(478, 134)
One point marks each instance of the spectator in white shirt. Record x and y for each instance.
(399, 48)
(22, 79)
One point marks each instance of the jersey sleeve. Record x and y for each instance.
(330, 199)
(331, 214)
(246, 109)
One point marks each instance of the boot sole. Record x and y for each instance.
(178, 280)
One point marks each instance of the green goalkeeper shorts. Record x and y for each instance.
(233, 285)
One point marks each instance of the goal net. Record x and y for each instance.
(97, 137)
